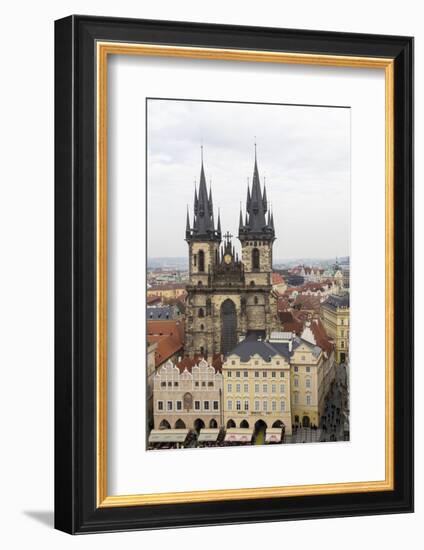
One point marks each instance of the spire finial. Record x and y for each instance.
(201, 150)
(255, 149)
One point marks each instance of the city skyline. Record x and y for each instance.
(303, 154)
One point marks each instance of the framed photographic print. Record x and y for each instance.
(234, 284)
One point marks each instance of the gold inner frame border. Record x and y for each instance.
(103, 50)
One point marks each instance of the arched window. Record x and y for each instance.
(201, 312)
(255, 258)
(255, 300)
(252, 283)
(202, 327)
(201, 260)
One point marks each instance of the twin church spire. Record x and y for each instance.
(257, 225)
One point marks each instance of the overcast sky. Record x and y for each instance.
(303, 152)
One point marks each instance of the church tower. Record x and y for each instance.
(257, 234)
(203, 242)
(203, 239)
(227, 299)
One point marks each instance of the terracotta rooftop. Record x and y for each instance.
(307, 302)
(321, 337)
(277, 279)
(189, 362)
(167, 286)
(169, 336)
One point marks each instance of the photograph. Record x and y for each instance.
(248, 269)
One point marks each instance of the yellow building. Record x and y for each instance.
(256, 386)
(307, 384)
(335, 317)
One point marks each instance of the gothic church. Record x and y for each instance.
(229, 299)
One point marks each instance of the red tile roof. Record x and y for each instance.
(277, 279)
(307, 302)
(189, 362)
(167, 286)
(169, 336)
(321, 337)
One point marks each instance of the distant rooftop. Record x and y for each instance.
(337, 301)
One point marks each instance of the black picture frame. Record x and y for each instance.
(76, 510)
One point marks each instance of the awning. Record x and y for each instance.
(273, 435)
(238, 435)
(168, 436)
(208, 434)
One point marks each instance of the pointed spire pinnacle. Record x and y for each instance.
(218, 229)
(240, 219)
(203, 223)
(258, 224)
(264, 200)
(187, 223)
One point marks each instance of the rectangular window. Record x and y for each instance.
(160, 405)
(215, 405)
(265, 388)
(282, 388)
(238, 388)
(179, 405)
(210, 384)
(176, 384)
(197, 405)
(206, 405)
(308, 399)
(308, 369)
(230, 388)
(230, 405)
(246, 388)
(273, 388)
(163, 384)
(169, 405)
(274, 405)
(283, 406)
(229, 374)
(246, 405)
(237, 374)
(196, 384)
(256, 388)
(281, 374)
(296, 382)
(273, 374)
(238, 405)
(308, 382)
(264, 374)
(296, 369)
(265, 406)
(203, 384)
(296, 398)
(256, 374)
(257, 406)
(246, 374)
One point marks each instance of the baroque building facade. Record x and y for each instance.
(228, 296)
(187, 398)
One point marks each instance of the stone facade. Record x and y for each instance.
(226, 297)
(187, 398)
